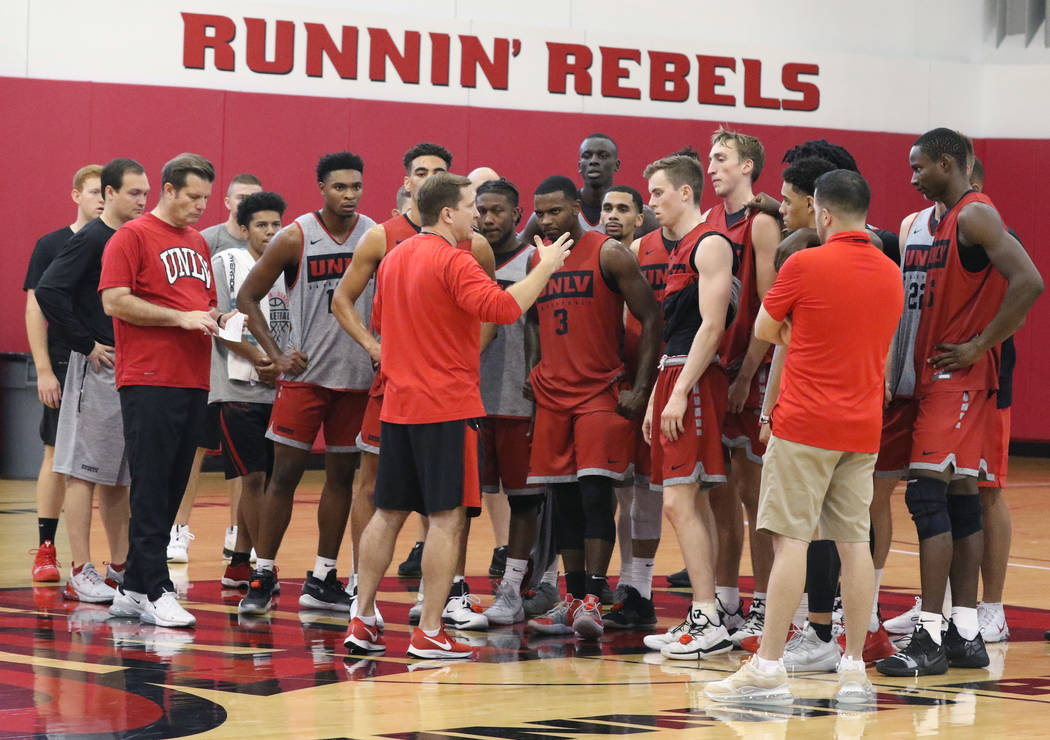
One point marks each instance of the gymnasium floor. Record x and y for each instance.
(67, 671)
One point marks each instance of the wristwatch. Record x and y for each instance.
(763, 419)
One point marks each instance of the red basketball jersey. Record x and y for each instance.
(652, 258)
(957, 304)
(581, 330)
(397, 230)
(734, 342)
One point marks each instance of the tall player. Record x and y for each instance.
(640, 510)
(324, 379)
(736, 161)
(979, 285)
(51, 359)
(683, 420)
(582, 436)
(420, 162)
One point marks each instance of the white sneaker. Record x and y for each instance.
(229, 542)
(854, 685)
(507, 608)
(128, 603)
(416, 611)
(751, 686)
(166, 612)
(88, 586)
(464, 613)
(732, 621)
(657, 641)
(992, 621)
(905, 624)
(353, 603)
(179, 544)
(114, 576)
(807, 652)
(753, 624)
(703, 639)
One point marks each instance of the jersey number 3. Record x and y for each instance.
(562, 317)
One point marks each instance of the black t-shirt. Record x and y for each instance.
(891, 244)
(46, 249)
(68, 290)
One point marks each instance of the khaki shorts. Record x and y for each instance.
(804, 486)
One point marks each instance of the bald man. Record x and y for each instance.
(481, 174)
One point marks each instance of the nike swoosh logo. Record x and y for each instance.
(675, 467)
(929, 452)
(314, 241)
(446, 645)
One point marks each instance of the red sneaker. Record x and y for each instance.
(360, 638)
(45, 564)
(877, 645)
(237, 576)
(441, 646)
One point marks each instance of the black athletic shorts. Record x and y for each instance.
(49, 419)
(429, 467)
(242, 428)
(210, 437)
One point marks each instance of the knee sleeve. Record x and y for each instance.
(822, 575)
(597, 500)
(525, 504)
(927, 500)
(568, 516)
(964, 511)
(647, 515)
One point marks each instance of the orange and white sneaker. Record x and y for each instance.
(587, 619)
(85, 584)
(438, 647)
(558, 620)
(362, 638)
(45, 564)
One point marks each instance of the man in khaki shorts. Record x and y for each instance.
(836, 308)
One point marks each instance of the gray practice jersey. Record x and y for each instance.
(219, 239)
(237, 384)
(503, 361)
(334, 360)
(902, 353)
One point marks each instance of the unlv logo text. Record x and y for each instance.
(569, 284)
(655, 274)
(327, 266)
(923, 257)
(182, 262)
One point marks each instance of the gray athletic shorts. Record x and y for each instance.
(90, 441)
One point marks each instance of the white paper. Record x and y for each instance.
(234, 329)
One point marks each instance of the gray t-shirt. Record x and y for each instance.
(229, 271)
(219, 239)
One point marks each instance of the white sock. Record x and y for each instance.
(728, 597)
(626, 577)
(352, 583)
(931, 622)
(946, 607)
(455, 579)
(802, 612)
(708, 609)
(873, 622)
(263, 564)
(766, 666)
(643, 576)
(232, 531)
(368, 621)
(515, 572)
(322, 566)
(551, 576)
(965, 619)
(432, 633)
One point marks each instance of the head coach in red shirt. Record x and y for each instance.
(157, 284)
(431, 298)
(836, 307)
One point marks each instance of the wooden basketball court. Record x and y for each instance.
(68, 671)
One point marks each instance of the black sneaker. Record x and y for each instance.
(327, 594)
(260, 593)
(634, 611)
(963, 653)
(679, 579)
(922, 657)
(413, 565)
(499, 562)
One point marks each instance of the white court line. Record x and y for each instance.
(1012, 565)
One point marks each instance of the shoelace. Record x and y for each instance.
(34, 550)
(468, 601)
(91, 574)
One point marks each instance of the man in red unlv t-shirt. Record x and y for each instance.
(157, 284)
(431, 298)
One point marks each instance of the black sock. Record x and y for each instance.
(239, 558)
(47, 528)
(823, 631)
(576, 584)
(595, 584)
